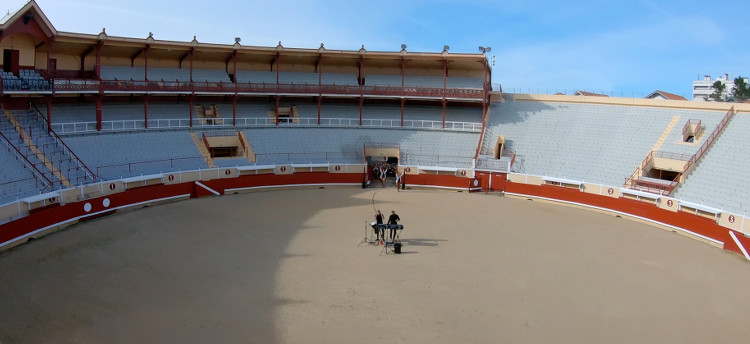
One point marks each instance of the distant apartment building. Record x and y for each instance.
(703, 88)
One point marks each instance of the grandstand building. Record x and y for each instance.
(93, 123)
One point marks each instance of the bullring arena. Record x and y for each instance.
(160, 191)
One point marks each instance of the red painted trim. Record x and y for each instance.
(52, 216)
(437, 180)
(690, 222)
(46, 217)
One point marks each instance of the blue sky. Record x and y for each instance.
(622, 48)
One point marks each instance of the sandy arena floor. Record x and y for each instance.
(284, 267)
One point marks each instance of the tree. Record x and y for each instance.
(719, 88)
(740, 91)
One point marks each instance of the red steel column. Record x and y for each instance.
(49, 114)
(444, 102)
(361, 102)
(234, 107)
(320, 101)
(192, 99)
(445, 75)
(320, 84)
(276, 109)
(403, 100)
(145, 65)
(145, 111)
(192, 50)
(98, 68)
(99, 112)
(403, 71)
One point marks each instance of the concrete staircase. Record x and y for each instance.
(204, 151)
(35, 151)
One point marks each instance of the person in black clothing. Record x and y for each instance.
(393, 220)
(378, 226)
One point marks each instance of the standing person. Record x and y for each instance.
(393, 221)
(383, 171)
(379, 226)
(399, 177)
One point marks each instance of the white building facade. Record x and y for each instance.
(702, 89)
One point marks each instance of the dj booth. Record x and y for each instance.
(392, 241)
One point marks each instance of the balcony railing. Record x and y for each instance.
(225, 123)
(131, 86)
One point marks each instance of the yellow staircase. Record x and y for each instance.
(247, 147)
(38, 153)
(203, 149)
(665, 134)
(659, 142)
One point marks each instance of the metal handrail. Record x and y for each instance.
(707, 143)
(137, 86)
(33, 166)
(139, 124)
(87, 170)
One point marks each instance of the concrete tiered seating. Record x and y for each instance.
(71, 113)
(594, 143)
(210, 75)
(26, 80)
(244, 76)
(53, 149)
(464, 82)
(709, 121)
(16, 179)
(231, 162)
(382, 80)
(720, 178)
(122, 73)
(165, 74)
(147, 152)
(339, 79)
(423, 81)
(317, 145)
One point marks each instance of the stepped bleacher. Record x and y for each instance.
(718, 180)
(674, 142)
(586, 142)
(34, 160)
(163, 74)
(17, 179)
(26, 80)
(113, 156)
(339, 145)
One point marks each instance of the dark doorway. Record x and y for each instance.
(10, 61)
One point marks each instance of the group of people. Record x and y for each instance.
(393, 219)
(382, 170)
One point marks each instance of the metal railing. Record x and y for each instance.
(671, 155)
(139, 124)
(707, 143)
(145, 166)
(66, 149)
(36, 172)
(162, 86)
(696, 122)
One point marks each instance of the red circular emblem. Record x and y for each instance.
(171, 177)
(283, 169)
(463, 172)
(407, 169)
(669, 203)
(112, 186)
(610, 191)
(731, 218)
(337, 168)
(227, 172)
